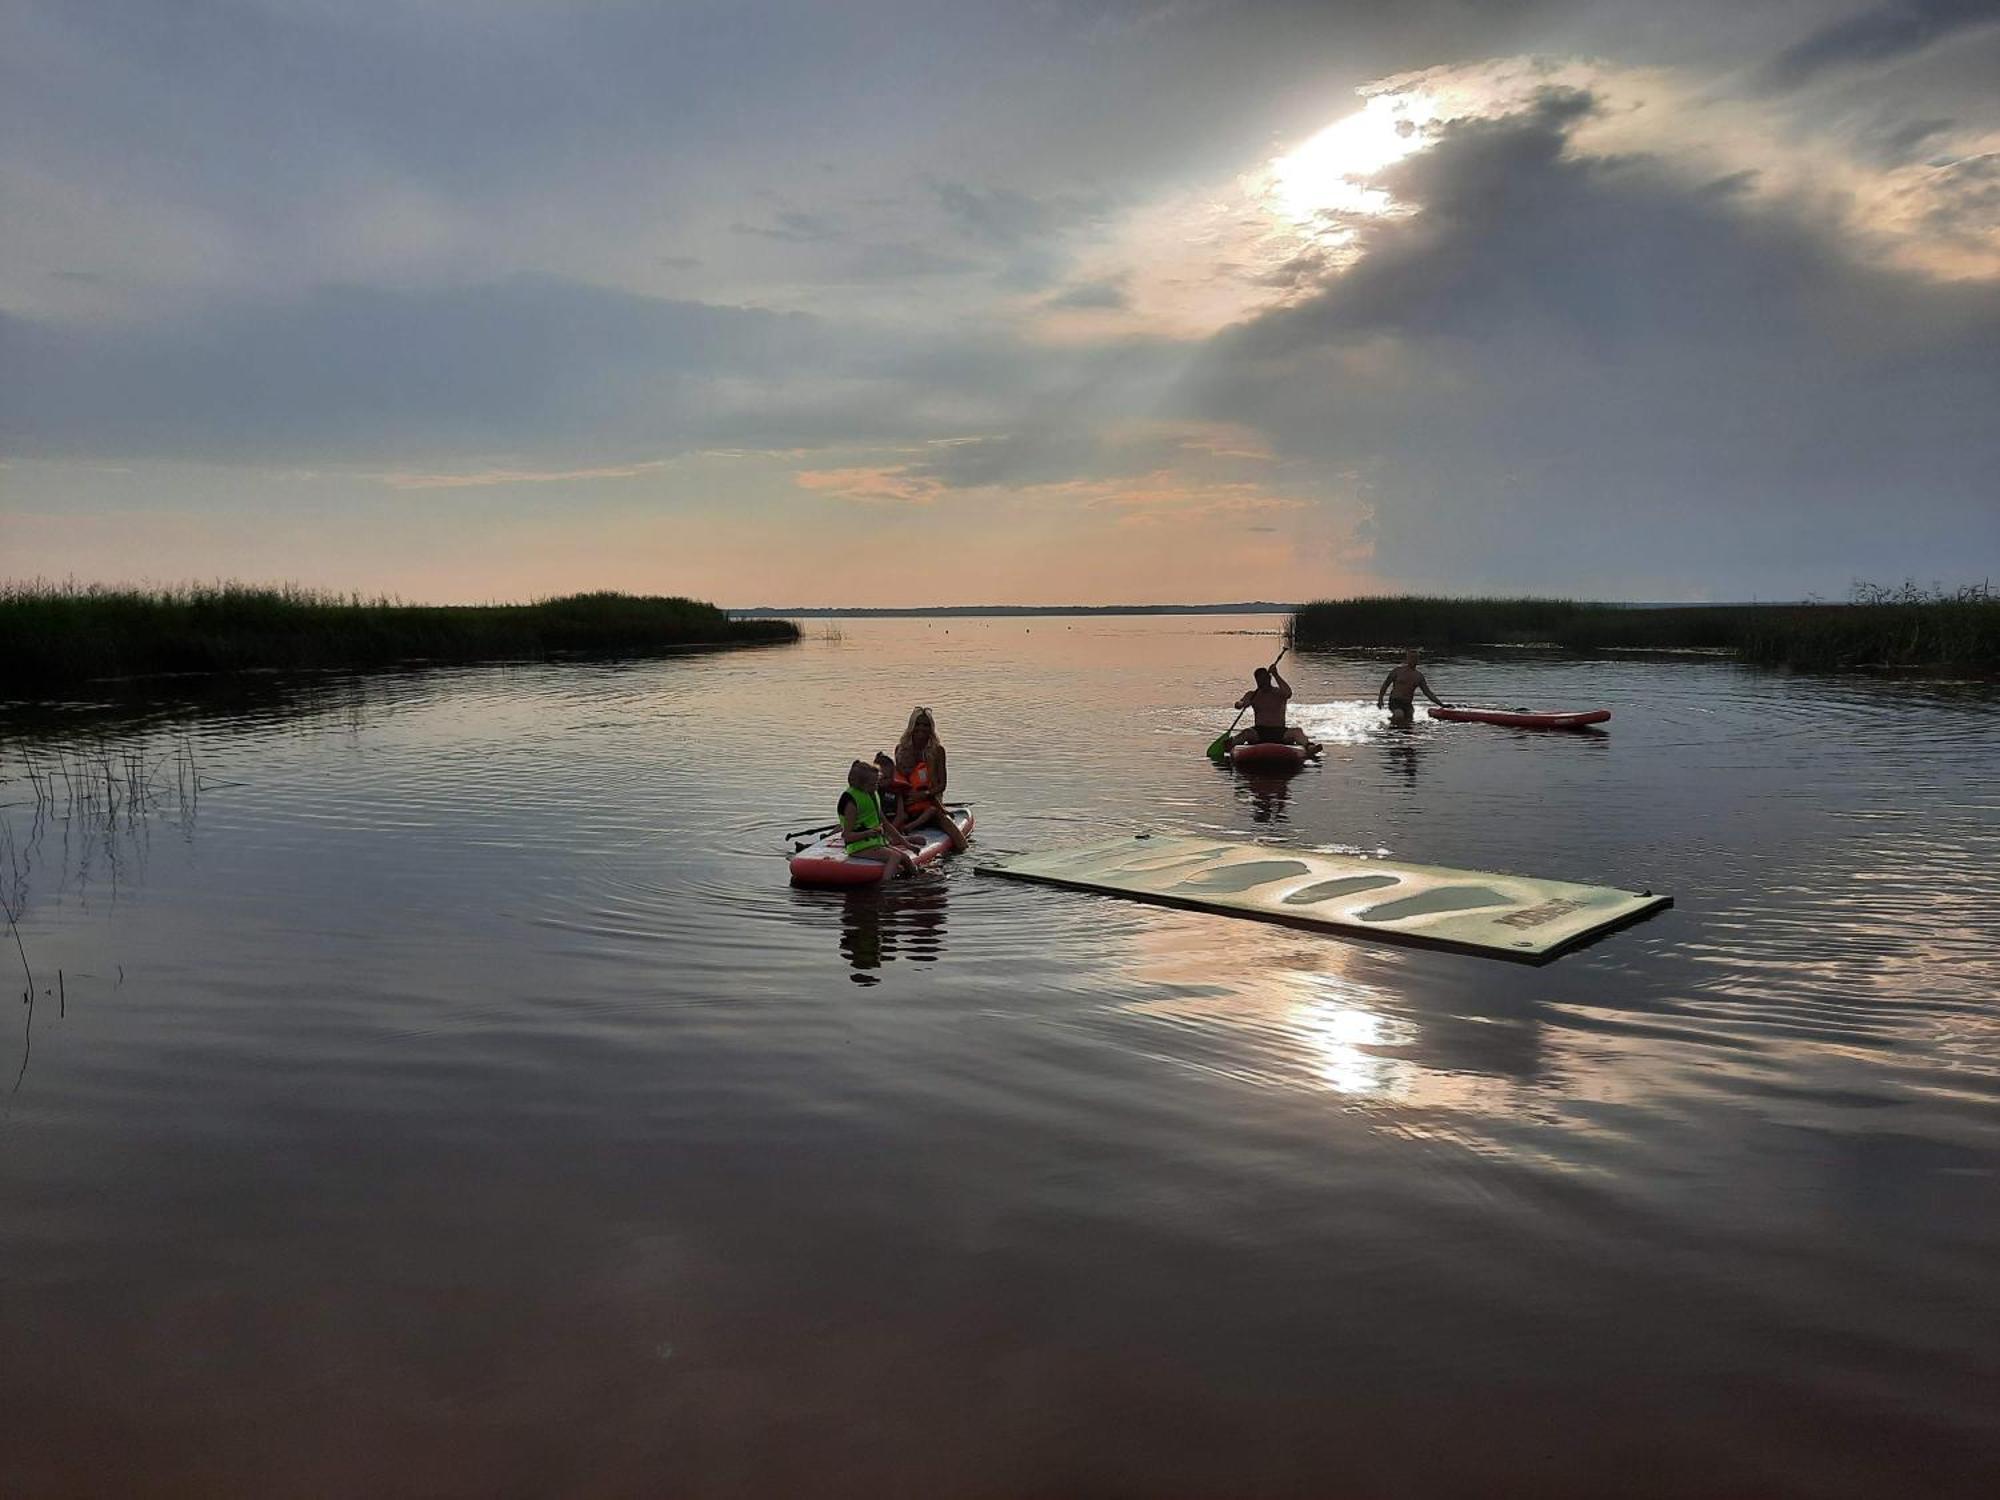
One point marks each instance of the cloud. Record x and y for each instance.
(1900, 143)
(1879, 34)
(1964, 200)
(1221, 440)
(485, 478)
(894, 261)
(1007, 218)
(1107, 295)
(1143, 472)
(898, 485)
(1167, 497)
(794, 226)
(1570, 366)
(1032, 234)
(568, 376)
(354, 372)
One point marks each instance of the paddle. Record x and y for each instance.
(1221, 746)
(830, 827)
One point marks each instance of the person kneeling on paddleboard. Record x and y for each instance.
(1403, 684)
(920, 762)
(864, 831)
(1267, 701)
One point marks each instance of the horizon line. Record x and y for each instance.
(1240, 606)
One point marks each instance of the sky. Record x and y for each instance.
(912, 302)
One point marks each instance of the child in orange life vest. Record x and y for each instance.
(864, 831)
(892, 791)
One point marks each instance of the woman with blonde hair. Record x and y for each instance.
(920, 762)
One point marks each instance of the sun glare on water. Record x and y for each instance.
(1326, 180)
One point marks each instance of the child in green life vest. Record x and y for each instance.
(863, 829)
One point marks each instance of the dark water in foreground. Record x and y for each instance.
(458, 1102)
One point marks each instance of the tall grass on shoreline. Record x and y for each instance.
(1907, 627)
(57, 636)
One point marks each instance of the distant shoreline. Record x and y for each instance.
(1010, 611)
(1015, 611)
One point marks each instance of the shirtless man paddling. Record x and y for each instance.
(1266, 702)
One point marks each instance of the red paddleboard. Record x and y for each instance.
(1522, 720)
(1268, 757)
(825, 861)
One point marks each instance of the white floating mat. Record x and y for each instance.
(1500, 916)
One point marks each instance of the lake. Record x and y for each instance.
(445, 1093)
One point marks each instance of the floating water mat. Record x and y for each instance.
(1517, 917)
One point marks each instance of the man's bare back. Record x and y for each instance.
(1404, 682)
(1267, 704)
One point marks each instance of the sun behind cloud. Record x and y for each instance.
(1326, 180)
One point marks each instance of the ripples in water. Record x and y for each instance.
(461, 1045)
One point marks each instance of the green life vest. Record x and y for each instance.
(868, 817)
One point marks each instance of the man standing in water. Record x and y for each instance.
(1266, 702)
(1402, 686)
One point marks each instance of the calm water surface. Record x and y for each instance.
(453, 1099)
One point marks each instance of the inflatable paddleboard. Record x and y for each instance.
(1522, 720)
(1268, 757)
(825, 861)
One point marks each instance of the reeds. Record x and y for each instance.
(1906, 627)
(99, 784)
(55, 636)
(102, 794)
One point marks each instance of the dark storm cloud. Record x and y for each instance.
(1563, 367)
(1307, 268)
(1878, 34)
